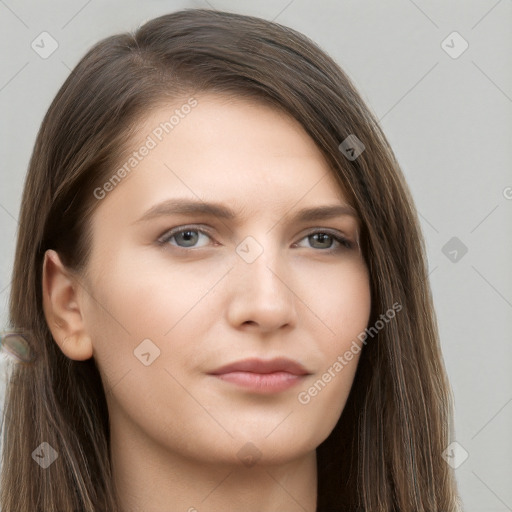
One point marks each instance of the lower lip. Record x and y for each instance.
(262, 382)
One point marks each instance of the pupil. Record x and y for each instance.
(188, 236)
(322, 237)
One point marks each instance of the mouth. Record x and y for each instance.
(263, 376)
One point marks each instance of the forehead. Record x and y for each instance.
(223, 149)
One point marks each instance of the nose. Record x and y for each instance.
(262, 294)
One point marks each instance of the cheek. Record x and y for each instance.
(144, 296)
(133, 300)
(324, 399)
(346, 306)
(343, 303)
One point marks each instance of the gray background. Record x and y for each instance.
(448, 121)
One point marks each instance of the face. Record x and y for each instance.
(220, 334)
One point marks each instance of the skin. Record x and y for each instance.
(177, 432)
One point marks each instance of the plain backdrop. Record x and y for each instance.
(447, 114)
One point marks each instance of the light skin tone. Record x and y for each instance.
(181, 438)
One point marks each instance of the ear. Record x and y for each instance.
(61, 307)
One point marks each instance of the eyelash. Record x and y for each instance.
(168, 235)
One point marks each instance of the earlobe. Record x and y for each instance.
(62, 309)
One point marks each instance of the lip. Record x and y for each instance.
(263, 366)
(263, 376)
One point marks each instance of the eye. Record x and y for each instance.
(324, 240)
(186, 235)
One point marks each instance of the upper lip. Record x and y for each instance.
(255, 365)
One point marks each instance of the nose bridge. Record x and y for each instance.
(263, 295)
(261, 263)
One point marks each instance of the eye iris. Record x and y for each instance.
(322, 238)
(189, 236)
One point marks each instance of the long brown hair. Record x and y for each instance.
(385, 453)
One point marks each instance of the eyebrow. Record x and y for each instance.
(220, 211)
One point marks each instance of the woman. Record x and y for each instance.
(221, 278)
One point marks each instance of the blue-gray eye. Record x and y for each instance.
(325, 238)
(187, 235)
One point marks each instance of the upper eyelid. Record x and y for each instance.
(178, 229)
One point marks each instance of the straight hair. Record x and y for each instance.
(385, 452)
